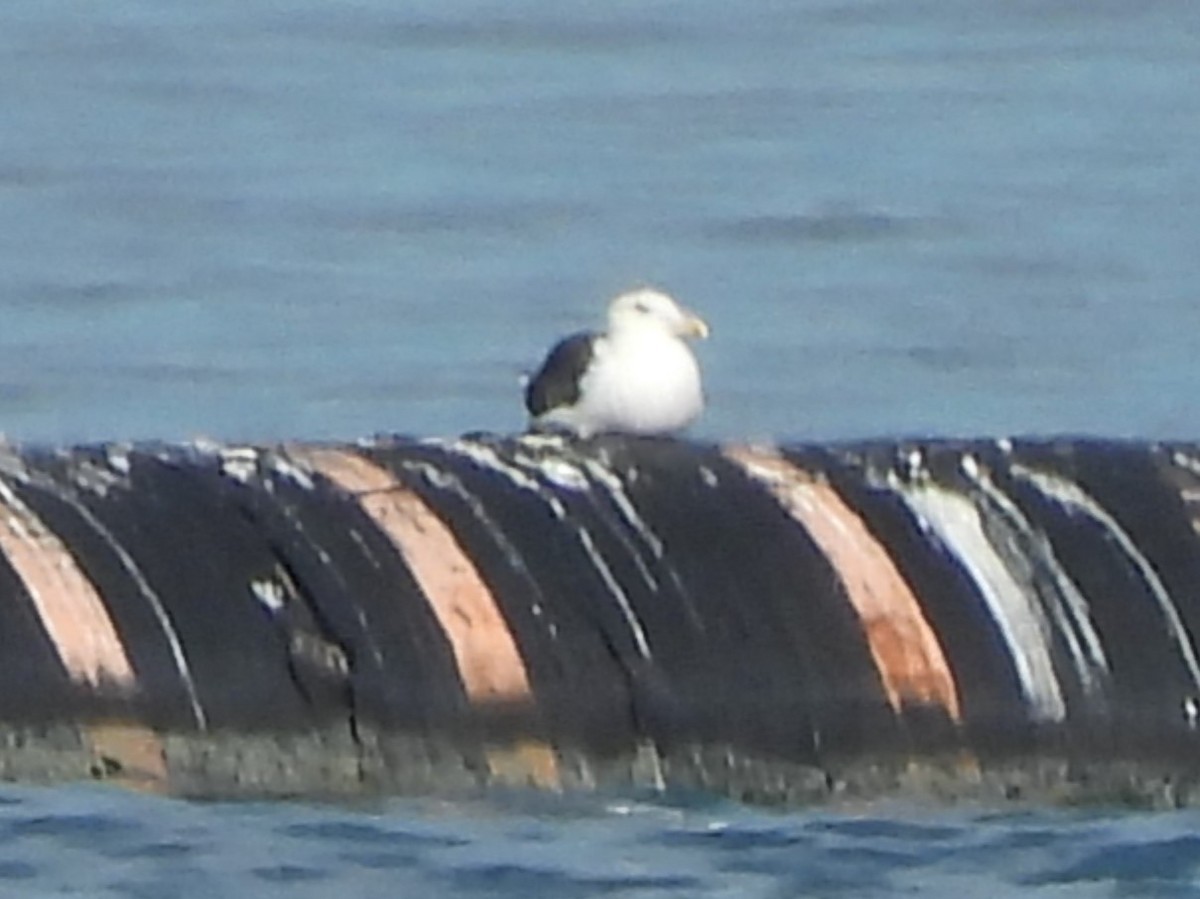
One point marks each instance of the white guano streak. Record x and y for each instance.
(1072, 497)
(70, 609)
(151, 597)
(555, 470)
(488, 458)
(602, 478)
(1068, 607)
(444, 480)
(955, 520)
(155, 604)
(616, 489)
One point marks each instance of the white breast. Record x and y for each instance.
(642, 383)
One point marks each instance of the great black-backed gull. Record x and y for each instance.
(638, 377)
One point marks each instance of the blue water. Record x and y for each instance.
(247, 219)
(83, 841)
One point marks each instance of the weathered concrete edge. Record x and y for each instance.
(335, 764)
(295, 722)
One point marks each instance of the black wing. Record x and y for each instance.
(557, 381)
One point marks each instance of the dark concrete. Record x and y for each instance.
(676, 626)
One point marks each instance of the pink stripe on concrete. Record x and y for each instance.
(489, 663)
(906, 650)
(70, 608)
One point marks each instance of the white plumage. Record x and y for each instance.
(638, 377)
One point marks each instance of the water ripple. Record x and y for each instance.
(71, 839)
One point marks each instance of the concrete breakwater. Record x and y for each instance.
(983, 619)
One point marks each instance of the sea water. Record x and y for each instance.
(93, 842)
(253, 220)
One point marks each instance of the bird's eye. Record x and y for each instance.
(641, 307)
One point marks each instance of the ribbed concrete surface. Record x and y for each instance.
(797, 622)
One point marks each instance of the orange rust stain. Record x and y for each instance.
(488, 661)
(528, 763)
(129, 754)
(70, 608)
(905, 648)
